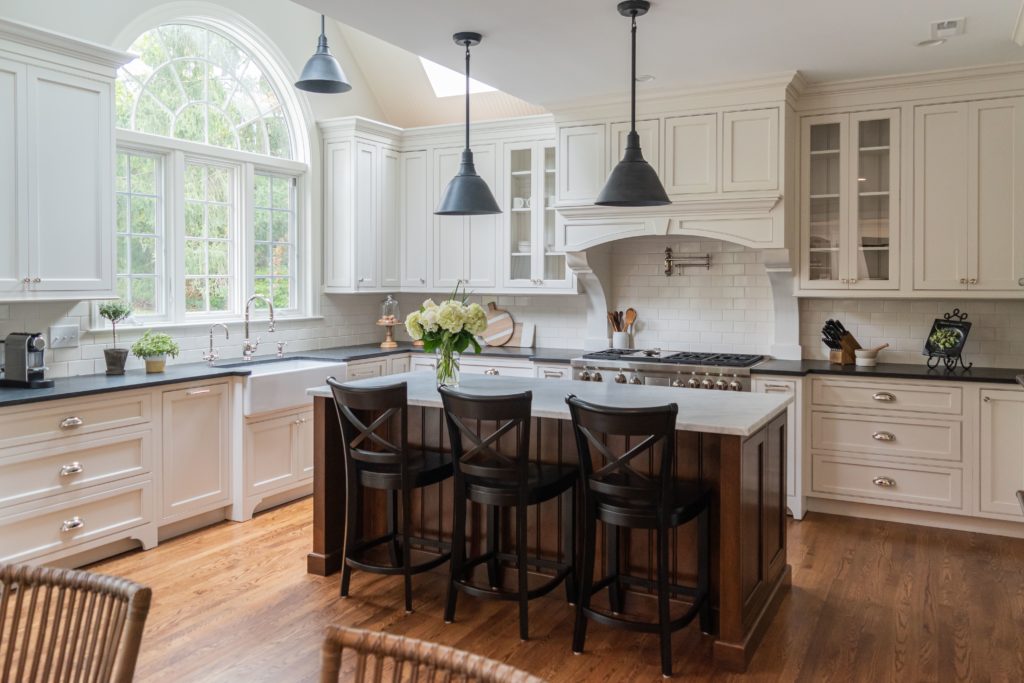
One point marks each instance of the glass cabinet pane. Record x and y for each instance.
(825, 187)
(554, 262)
(873, 186)
(520, 214)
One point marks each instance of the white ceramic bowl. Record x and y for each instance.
(867, 358)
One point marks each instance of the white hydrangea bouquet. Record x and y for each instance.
(448, 329)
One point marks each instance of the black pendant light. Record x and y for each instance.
(467, 194)
(633, 182)
(322, 73)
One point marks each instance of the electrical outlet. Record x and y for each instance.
(63, 336)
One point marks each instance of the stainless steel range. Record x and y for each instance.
(683, 369)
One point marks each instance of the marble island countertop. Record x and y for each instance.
(715, 412)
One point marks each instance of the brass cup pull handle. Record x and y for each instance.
(884, 482)
(71, 422)
(72, 468)
(491, 371)
(883, 436)
(884, 397)
(72, 524)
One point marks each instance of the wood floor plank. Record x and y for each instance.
(871, 601)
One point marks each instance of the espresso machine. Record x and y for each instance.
(23, 361)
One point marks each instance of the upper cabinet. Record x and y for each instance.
(691, 148)
(969, 178)
(750, 150)
(849, 213)
(362, 178)
(583, 162)
(56, 166)
(415, 213)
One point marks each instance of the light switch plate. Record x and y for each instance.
(63, 336)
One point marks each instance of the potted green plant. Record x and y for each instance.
(115, 312)
(154, 349)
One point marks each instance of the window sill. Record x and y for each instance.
(203, 325)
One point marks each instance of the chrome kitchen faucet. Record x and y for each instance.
(248, 346)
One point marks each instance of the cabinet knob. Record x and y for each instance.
(72, 524)
(853, 280)
(987, 399)
(37, 279)
(963, 281)
(491, 371)
(883, 436)
(423, 281)
(27, 280)
(884, 482)
(1020, 282)
(972, 281)
(72, 468)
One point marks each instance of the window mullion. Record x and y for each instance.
(247, 234)
(176, 233)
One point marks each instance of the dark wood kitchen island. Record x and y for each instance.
(735, 443)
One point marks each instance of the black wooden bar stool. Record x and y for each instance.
(487, 476)
(622, 496)
(375, 433)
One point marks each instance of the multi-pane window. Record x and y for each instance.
(274, 238)
(140, 231)
(209, 237)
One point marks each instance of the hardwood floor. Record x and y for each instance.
(871, 601)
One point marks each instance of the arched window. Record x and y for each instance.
(192, 83)
(210, 168)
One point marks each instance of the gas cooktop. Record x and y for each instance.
(697, 358)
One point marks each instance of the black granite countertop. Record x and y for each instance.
(84, 385)
(799, 368)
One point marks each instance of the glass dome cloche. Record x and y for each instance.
(389, 317)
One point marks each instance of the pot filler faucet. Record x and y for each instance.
(248, 346)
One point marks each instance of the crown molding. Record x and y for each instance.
(94, 53)
(901, 82)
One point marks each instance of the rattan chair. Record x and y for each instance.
(67, 625)
(388, 657)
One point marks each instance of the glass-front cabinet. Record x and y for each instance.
(531, 261)
(850, 201)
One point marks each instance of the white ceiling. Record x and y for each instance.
(553, 51)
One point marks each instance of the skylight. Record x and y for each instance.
(447, 82)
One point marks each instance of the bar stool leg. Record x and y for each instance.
(406, 550)
(704, 572)
(614, 569)
(579, 632)
(569, 547)
(352, 505)
(493, 544)
(455, 565)
(664, 618)
(524, 602)
(393, 548)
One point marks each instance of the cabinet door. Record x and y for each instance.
(550, 266)
(874, 200)
(13, 176)
(367, 191)
(449, 231)
(995, 197)
(196, 451)
(415, 221)
(365, 369)
(519, 250)
(388, 247)
(1001, 469)
(824, 219)
(940, 196)
(481, 266)
(750, 150)
(269, 460)
(691, 154)
(583, 163)
(649, 131)
(302, 431)
(398, 365)
(337, 221)
(71, 182)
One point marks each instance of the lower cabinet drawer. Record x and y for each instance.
(74, 417)
(73, 465)
(553, 371)
(73, 520)
(887, 484)
(887, 436)
(375, 368)
(502, 369)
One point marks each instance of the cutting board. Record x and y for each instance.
(522, 336)
(500, 326)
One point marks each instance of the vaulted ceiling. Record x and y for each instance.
(553, 51)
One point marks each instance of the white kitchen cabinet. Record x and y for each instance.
(1001, 466)
(582, 162)
(691, 154)
(649, 131)
(366, 205)
(750, 150)
(795, 499)
(969, 175)
(850, 201)
(415, 213)
(278, 456)
(530, 259)
(56, 167)
(388, 246)
(196, 455)
(465, 247)
(398, 364)
(374, 367)
(552, 371)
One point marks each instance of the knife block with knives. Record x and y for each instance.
(840, 342)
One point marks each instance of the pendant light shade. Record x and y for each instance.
(633, 181)
(323, 73)
(467, 193)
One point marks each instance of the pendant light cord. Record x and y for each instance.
(632, 80)
(467, 96)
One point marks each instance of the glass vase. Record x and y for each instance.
(447, 367)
